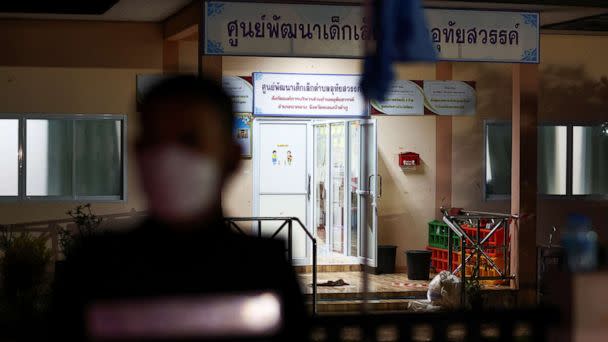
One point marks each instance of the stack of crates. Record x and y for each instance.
(439, 259)
(438, 236)
(492, 247)
(486, 270)
(438, 245)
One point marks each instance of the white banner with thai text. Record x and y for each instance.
(240, 91)
(297, 30)
(403, 98)
(450, 97)
(308, 95)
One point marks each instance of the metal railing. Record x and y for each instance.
(286, 222)
(50, 228)
(477, 245)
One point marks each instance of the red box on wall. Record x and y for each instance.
(409, 159)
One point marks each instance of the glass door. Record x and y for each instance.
(365, 190)
(343, 190)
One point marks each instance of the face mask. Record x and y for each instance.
(180, 183)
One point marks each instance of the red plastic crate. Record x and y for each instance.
(492, 247)
(439, 261)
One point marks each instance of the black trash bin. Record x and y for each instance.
(418, 264)
(386, 259)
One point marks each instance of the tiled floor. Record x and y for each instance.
(333, 258)
(385, 283)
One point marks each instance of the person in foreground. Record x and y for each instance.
(181, 274)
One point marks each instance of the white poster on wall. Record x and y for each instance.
(450, 97)
(240, 91)
(308, 95)
(283, 158)
(403, 98)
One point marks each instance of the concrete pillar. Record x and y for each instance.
(524, 179)
(211, 67)
(443, 142)
(170, 56)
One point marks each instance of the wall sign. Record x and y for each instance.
(428, 97)
(296, 30)
(262, 29)
(242, 133)
(240, 90)
(450, 97)
(485, 36)
(308, 95)
(403, 98)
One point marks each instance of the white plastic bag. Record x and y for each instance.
(444, 290)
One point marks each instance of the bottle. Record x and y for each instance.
(580, 242)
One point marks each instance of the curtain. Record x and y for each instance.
(98, 158)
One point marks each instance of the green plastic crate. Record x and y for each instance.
(438, 236)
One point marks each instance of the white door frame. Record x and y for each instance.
(312, 191)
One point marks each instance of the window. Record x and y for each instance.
(9, 157)
(552, 159)
(63, 157)
(572, 160)
(589, 160)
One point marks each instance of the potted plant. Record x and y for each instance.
(87, 224)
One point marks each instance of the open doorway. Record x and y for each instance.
(325, 173)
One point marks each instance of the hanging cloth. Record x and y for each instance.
(401, 34)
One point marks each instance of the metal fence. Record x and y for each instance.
(288, 224)
(50, 229)
(506, 325)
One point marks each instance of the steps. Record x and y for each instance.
(375, 305)
(493, 298)
(387, 292)
(328, 268)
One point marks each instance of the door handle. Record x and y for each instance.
(20, 157)
(379, 186)
(308, 188)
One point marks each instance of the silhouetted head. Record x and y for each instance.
(186, 150)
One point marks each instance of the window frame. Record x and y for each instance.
(592, 123)
(74, 197)
(569, 160)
